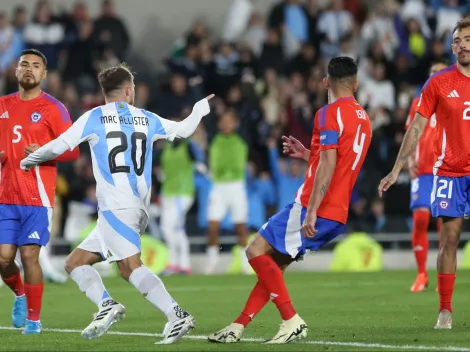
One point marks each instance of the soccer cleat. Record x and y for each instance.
(175, 330)
(444, 321)
(18, 314)
(292, 329)
(420, 283)
(32, 327)
(229, 334)
(110, 312)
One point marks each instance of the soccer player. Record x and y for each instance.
(420, 165)
(446, 95)
(121, 138)
(28, 119)
(341, 137)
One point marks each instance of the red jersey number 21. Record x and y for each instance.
(358, 146)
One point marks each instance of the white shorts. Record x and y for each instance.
(228, 197)
(173, 212)
(116, 235)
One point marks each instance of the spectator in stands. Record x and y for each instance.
(255, 35)
(111, 30)
(272, 55)
(175, 98)
(45, 34)
(79, 65)
(19, 18)
(335, 23)
(7, 44)
(304, 61)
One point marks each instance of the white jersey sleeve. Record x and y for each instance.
(79, 132)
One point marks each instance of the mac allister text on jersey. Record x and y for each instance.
(125, 120)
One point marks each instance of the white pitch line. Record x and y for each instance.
(318, 342)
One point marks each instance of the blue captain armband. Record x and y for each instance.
(329, 137)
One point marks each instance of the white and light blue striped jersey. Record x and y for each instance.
(121, 137)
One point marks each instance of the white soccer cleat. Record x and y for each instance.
(292, 329)
(175, 330)
(111, 312)
(229, 334)
(444, 321)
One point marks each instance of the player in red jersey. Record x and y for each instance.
(445, 94)
(420, 165)
(341, 137)
(28, 119)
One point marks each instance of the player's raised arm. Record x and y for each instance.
(185, 128)
(67, 141)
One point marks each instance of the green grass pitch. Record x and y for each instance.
(345, 312)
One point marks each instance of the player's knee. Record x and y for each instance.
(128, 265)
(450, 242)
(5, 262)
(70, 264)
(30, 255)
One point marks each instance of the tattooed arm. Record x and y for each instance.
(408, 146)
(323, 176)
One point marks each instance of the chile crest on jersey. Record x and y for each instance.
(35, 117)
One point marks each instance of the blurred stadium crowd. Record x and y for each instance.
(265, 67)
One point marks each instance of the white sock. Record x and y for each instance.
(213, 256)
(172, 245)
(153, 289)
(185, 259)
(89, 281)
(45, 261)
(244, 259)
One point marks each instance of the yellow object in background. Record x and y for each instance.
(465, 264)
(235, 266)
(358, 252)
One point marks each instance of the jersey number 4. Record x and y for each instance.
(122, 147)
(358, 146)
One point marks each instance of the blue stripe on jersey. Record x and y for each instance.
(62, 109)
(128, 129)
(100, 149)
(444, 70)
(322, 122)
(121, 228)
(155, 128)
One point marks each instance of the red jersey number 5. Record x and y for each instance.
(17, 133)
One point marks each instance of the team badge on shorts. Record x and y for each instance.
(443, 204)
(36, 117)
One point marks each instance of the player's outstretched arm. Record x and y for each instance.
(47, 152)
(408, 146)
(186, 128)
(323, 176)
(294, 148)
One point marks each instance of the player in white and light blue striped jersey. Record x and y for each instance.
(121, 138)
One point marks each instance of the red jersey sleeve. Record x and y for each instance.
(329, 129)
(412, 113)
(427, 103)
(59, 122)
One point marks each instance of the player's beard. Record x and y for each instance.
(29, 83)
(464, 60)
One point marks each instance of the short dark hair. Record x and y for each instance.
(461, 24)
(37, 53)
(342, 67)
(440, 61)
(112, 78)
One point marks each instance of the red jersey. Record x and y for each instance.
(446, 94)
(425, 151)
(345, 126)
(23, 122)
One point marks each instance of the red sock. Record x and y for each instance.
(15, 283)
(438, 227)
(445, 283)
(34, 300)
(419, 238)
(272, 279)
(258, 298)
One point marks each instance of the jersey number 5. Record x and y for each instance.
(358, 146)
(122, 147)
(17, 133)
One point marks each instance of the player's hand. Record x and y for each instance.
(209, 97)
(31, 148)
(23, 165)
(387, 182)
(292, 147)
(308, 227)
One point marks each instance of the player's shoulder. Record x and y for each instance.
(441, 76)
(53, 104)
(9, 98)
